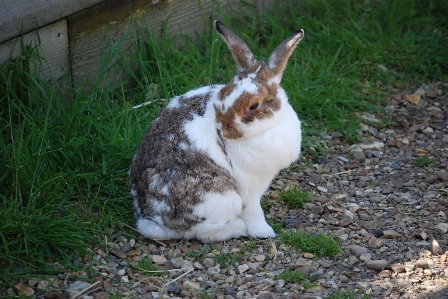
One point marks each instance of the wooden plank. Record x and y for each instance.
(92, 31)
(52, 43)
(23, 16)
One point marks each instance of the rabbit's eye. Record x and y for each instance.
(253, 106)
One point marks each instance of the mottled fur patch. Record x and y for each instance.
(167, 167)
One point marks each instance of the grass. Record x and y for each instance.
(423, 161)
(147, 267)
(296, 197)
(223, 259)
(276, 224)
(63, 168)
(293, 276)
(347, 295)
(318, 244)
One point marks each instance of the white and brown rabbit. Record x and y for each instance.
(207, 159)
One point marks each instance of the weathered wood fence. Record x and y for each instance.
(73, 35)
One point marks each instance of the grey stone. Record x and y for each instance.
(442, 227)
(306, 270)
(443, 175)
(358, 250)
(315, 275)
(229, 291)
(78, 286)
(377, 264)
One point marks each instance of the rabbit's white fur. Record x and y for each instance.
(246, 159)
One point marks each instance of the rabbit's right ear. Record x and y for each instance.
(240, 51)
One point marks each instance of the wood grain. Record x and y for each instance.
(52, 43)
(23, 16)
(93, 31)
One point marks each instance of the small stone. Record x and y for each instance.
(377, 233)
(321, 160)
(209, 262)
(352, 207)
(213, 270)
(428, 130)
(384, 274)
(358, 250)
(279, 284)
(391, 234)
(315, 275)
(322, 189)
(78, 286)
(322, 199)
(421, 234)
(412, 98)
(260, 258)
(119, 254)
(431, 94)
(100, 295)
(159, 259)
(377, 264)
(358, 156)
(439, 125)
(243, 268)
(363, 284)
(409, 266)
(121, 272)
(192, 285)
(398, 268)
(306, 270)
(308, 255)
(229, 291)
(198, 265)
(186, 264)
(387, 190)
(292, 222)
(316, 210)
(443, 175)
(442, 227)
(43, 285)
(173, 289)
(344, 279)
(24, 290)
(124, 279)
(274, 194)
(345, 222)
(422, 264)
(133, 253)
(394, 143)
(265, 295)
(365, 257)
(342, 158)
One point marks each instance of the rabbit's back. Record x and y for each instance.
(170, 173)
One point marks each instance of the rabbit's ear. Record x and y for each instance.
(279, 57)
(240, 51)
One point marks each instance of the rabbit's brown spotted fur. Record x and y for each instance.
(172, 172)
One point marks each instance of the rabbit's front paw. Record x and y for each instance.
(260, 230)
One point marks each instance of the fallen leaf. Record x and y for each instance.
(412, 98)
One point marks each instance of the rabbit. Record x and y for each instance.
(206, 160)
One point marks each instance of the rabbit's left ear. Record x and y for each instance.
(279, 57)
(240, 51)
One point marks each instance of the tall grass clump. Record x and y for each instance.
(63, 168)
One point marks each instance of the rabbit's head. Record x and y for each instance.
(247, 105)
